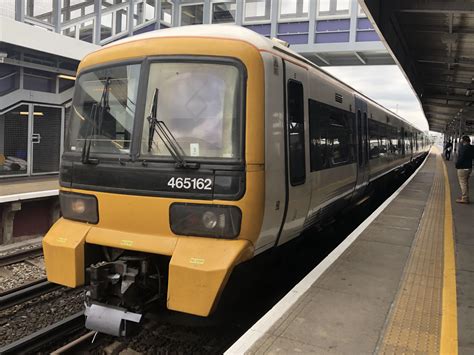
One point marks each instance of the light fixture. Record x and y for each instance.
(67, 77)
(25, 113)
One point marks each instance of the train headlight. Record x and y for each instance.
(218, 221)
(79, 207)
(209, 219)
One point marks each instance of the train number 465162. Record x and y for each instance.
(190, 183)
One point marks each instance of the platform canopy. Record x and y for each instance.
(433, 42)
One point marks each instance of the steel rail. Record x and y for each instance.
(54, 332)
(26, 292)
(20, 255)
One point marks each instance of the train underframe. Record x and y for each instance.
(121, 288)
(123, 284)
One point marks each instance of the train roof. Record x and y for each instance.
(230, 31)
(217, 31)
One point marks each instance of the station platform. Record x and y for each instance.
(402, 282)
(20, 189)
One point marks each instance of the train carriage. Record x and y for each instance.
(192, 149)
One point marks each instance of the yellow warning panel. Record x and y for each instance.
(63, 249)
(199, 270)
(414, 323)
(449, 325)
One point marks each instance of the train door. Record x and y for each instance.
(362, 141)
(298, 186)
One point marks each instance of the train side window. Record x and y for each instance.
(374, 140)
(359, 137)
(330, 134)
(318, 122)
(296, 132)
(339, 138)
(366, 136)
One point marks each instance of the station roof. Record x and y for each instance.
(433, 42)
(38, 39)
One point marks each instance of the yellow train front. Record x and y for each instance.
(157, 183)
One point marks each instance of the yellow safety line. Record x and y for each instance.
(449, 322)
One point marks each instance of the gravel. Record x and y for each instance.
(26, 318)
(169, 338)
(15, 275)
(20, 248)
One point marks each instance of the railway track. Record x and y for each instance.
(26, 292)
(56, 332)
(20, 256)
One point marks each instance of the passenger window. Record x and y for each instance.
(374, 140)
(366, 137)
(330, 136)
(296, 132)
(359, 137)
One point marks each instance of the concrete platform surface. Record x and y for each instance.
(27, 188)
(388, 292)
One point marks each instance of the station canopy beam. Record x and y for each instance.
(433, 43)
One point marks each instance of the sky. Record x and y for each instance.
(387, 85)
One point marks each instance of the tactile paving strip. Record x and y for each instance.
(414, 323)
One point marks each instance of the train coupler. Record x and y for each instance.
(109, 319)
(118, 293)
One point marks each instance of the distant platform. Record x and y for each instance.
(20, 189)
(402, 282)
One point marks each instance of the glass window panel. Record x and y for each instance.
(70, 32)
(296, 132)
(109, 129)
(191, 14)
(108, 3)
(206, 118)
(38, 80)
(257, 10)
(89, 10)
(166, 12)
(138, 14)
(294, 8)
(223, 12)
(324, 5)
(14, 141)
(288, 7)
(143, 11)
(121, 21)
(342, 5)
(86, 31)
(331, 141)
(7, 9)
(334, 7)
(41, 10)
(149, 12)
(106, 26)
(9, 78)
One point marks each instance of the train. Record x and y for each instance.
(191, 150)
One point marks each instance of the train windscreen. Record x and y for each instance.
(103, 110)
(198, 104)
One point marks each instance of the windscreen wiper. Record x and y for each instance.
(168, 139)
(86, 148)
(96, 124)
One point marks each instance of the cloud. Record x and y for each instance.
(386, 85)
